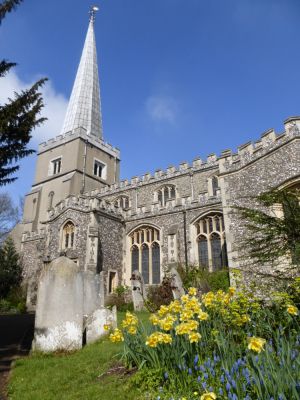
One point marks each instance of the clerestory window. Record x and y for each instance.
(166, 193)
(122, 202)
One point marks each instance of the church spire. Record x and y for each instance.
(84, 108)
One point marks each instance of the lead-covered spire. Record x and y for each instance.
(84, 108)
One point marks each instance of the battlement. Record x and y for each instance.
(37, 235)
(159, 175)
(84, 204)
(79, 133)
(269, 140)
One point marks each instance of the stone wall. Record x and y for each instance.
(272, 170)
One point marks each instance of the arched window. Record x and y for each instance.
(122, 202)
(68, 235)
(166, 193)
(211, 241)
(145, 253)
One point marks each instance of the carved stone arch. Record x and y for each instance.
(67, 234)
(210, 240)
(144, 251)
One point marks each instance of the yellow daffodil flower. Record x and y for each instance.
(256, 344)
(208, 396)
(292, 309)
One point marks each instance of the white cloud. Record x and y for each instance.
(162, 109)
(54, 110)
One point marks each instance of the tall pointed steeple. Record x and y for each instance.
(84, 108)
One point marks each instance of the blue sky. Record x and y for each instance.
(179, 78)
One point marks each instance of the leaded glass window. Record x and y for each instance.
(155, 263)
(202, 250)
(134, 258)
(216, 251)
(145, 263)
(145, 253)
(211, 241)
(68, 235)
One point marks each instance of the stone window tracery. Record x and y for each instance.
(145, 253)
(211, 241)
(122, 202)
(166, 193)
(68, 235)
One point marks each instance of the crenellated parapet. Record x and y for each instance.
(32, 236)
(159, 175)
(84, 204)
(250, 151)
(79, 133)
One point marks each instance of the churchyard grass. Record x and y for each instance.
(72, 376)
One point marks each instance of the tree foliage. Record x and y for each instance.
(10, 268)
(8, 6)
(18, 117)
(9, 215)
(271, 237)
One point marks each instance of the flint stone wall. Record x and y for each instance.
(271, 171)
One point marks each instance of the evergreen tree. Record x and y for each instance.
(271, 237)
(10, 268)
(18, 117)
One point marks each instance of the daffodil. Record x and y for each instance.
(116, 336)
(192, 291)
(256, 344)
(194, 337)
(208, 396)
(293, 310)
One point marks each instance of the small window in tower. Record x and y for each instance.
(55, 166)
(99, 169)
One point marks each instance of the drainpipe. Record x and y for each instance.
(185, 238)
(84, 167)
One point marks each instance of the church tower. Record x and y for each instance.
(78, 160)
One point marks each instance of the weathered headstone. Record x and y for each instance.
(137, 287)
(97, 320)
(59, 312)
(176, 284)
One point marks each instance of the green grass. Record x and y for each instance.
(71, 376)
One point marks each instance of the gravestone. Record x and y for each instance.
(59, 311)
(69, 310)
(176, 284)
(137, 287)
(96, 321)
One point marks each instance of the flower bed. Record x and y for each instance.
(223, 345)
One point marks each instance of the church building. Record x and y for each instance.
(79, 206)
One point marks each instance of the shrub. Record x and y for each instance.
(201, 278)
(159, 295)
(10, 268)
(120, 299)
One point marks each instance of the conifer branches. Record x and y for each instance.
(273, 228)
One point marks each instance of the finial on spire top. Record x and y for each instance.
(92, 12)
